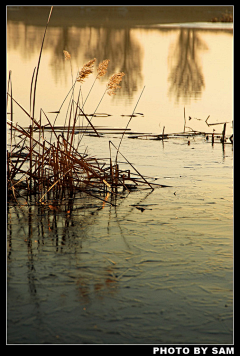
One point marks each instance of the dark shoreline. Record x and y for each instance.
(120, 16)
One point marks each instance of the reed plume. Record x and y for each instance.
(86, 70)
(102, 68)
(67, 55)
(113, 83)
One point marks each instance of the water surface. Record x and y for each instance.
(107, 274)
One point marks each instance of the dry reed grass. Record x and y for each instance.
(58, 169)
(86, 70)
(113, 83)
(102, 68)
(52, 169)
(67, 55)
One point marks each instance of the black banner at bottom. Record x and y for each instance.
(193, 350)
(149, 349)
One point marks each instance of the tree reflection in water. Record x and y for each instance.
(124, 52)
(84, 43)
(186, 77)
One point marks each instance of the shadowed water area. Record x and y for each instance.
(156, 266)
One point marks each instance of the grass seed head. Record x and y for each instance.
(102, 68)
(86, 70)
(67, 55)
(113, 83)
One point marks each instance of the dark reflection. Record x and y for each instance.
(124, 52)
(62, 228)
(58, 227)
(186, 77)
(84, 43)
(49, 227)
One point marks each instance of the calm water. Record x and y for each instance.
(119, 275)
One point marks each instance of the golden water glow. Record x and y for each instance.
(180, 67)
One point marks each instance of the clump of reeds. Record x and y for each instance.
(59, 169)
(52, 168)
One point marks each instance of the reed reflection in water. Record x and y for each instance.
(55, 228)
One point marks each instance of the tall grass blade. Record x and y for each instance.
(39, 60)
(129, 123)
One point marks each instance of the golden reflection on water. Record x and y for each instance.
(180, 67)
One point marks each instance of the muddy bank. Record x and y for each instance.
(118, 15)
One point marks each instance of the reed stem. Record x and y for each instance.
(128, 123)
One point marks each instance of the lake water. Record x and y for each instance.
(115, 274)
